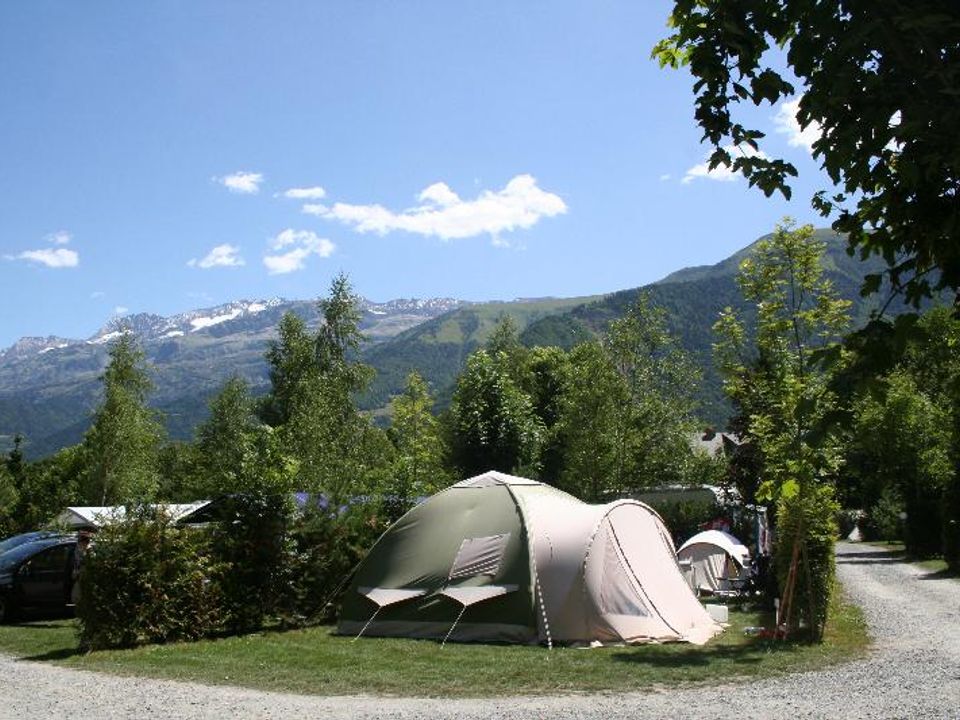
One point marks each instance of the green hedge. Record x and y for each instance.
(259, 563)
(146, 581)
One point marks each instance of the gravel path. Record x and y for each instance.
(913, 672)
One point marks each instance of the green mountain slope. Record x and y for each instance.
(438, 348)
(693, 298)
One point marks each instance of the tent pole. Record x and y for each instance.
(450, 631)
(368, 623)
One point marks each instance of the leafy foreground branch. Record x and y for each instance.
(312, 661)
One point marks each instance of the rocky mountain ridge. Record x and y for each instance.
(383, 319)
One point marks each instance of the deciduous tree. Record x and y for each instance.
(419, 466)
(877, 81)
(492, 419)
(773, 374)
(226, 440)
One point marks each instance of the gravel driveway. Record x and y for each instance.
(913, 672)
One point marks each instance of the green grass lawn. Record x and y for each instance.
(314, 661)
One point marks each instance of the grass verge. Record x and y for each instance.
(313, 661)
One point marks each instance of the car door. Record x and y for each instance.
(44, 579)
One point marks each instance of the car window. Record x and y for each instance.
(12, 558)
(52, 559)
(18, 540)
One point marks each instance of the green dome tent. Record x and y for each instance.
(500, 558)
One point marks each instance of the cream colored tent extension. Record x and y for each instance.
(503, 558)
(713, 561)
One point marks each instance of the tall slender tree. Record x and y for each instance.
(122, 444)
(787, 397)
(594, 425)
(333, 444)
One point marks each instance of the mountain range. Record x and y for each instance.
(49, 386)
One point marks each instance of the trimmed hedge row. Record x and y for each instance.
(262, 563)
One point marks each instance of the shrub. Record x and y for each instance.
(252, 544)
(147, 581)
(685, 518)
(330, 543)
(882, 521)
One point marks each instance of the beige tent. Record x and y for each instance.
(503, 558)
(714, 561)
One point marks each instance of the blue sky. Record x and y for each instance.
(159, 157)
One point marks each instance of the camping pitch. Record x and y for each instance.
(500, 558)
(714, 561)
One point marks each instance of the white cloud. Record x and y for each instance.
(97, 294)
(721, 173)
(442, 213)
(302, 244)
(58, 257)
(121, 310)
(245, 183)
(225, 255)
(786, 123)
(51, 257)
(309, 193)
(439, 194)
(665, 177)
(316, 209)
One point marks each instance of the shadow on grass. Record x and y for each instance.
(750, 654)
(53, 655)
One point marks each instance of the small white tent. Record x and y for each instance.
(93, 518)
(503, 558)
(714, 561)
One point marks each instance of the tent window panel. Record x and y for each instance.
(617, 593)
(479, 556)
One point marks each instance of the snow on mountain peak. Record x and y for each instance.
(148, 326)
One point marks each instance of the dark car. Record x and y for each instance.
(37, 576)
